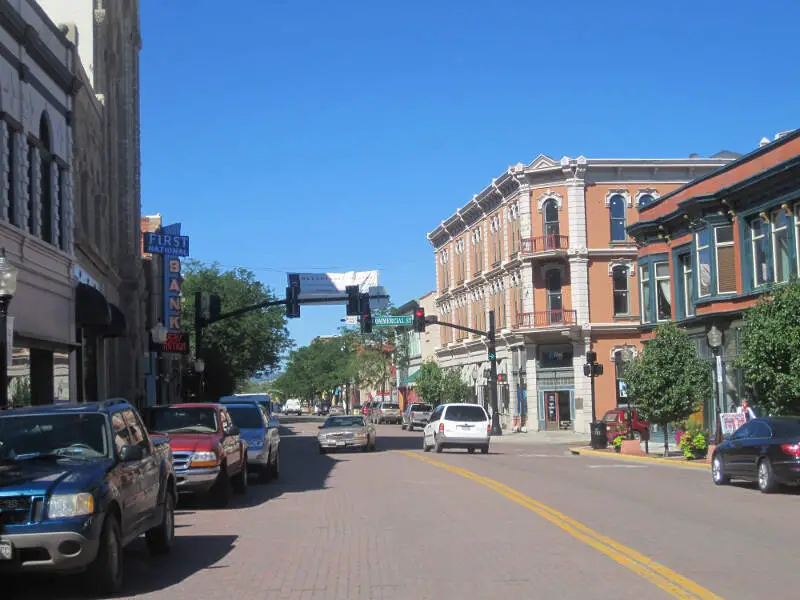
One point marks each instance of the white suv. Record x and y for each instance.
(457, 426)
(293, 406)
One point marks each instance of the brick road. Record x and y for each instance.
(383, 525)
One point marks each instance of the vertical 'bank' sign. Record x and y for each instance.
(174, 294)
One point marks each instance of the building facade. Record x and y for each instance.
(113, 338)
(36, 204)
(711, 248)
(416, 349)
(545, 247)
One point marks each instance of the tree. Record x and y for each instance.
(769, 354)
(454, 389)
(668, 381)
(242, 347)
(318, 368)
(429, 382)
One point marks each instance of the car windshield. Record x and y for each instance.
(67, 435)
(468, 414)
(185, 420)
(246, 417)
(349, 421)
(390, 406)
(421, 408)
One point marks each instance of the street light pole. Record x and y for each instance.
(8, 285)
(714, 338)
(496, 429)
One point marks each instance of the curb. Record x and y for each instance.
(663, 461)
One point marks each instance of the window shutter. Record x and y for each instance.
(726, 269)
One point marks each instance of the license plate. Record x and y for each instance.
(340, 443)
(6, 551)
(465, 427)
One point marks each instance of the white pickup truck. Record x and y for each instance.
(293, 406)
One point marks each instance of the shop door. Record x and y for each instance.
(551, 410)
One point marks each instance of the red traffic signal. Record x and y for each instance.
(419, 320)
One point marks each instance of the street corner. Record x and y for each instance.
(610, 454)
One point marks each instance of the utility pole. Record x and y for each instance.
(496, 430)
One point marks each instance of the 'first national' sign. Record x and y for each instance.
(164, 243)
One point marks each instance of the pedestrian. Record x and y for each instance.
(745, 408)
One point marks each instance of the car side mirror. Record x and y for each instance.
(131, 453)
(320, 426)
(233, 430)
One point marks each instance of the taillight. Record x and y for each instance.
(489, 429)
(441, 427)
(791, 449)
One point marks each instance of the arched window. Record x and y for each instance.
(46, 196)
(616, 208)
(619, 275)
(552, 279)
(550, 225)
(645, 199)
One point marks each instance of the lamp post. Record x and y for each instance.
(621, 359)
(8, 285)
(199, 368)
(158, 333)
(714, 338)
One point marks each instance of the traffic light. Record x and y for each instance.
(292, 302)
(419, 320)
(591, 357)
(214, 307)
(492, 354)
(353, 300)
(366, 313)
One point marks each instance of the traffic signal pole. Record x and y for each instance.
(490, 336)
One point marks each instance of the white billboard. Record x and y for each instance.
(332, 285)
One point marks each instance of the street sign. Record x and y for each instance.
(393, 321)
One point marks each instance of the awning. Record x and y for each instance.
(410, 379)
(118, 326)
(91, 308)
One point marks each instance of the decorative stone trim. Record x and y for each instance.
(494, 223)
(547, 196)
(646, 192)
(459, 246)
(634, 350)
(619, 192)
(620, 262)
(554, 265)
(444, 257)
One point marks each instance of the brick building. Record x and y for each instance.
(545, 246)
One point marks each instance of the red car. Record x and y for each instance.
(209, 457)
(616, 421)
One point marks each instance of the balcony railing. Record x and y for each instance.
(547, 318)
(544, 243)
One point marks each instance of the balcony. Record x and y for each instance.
(549, 245)
(547, 318)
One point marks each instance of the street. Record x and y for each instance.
(401, 524)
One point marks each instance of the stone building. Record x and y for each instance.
(37, 89)
(545, 247)
(111, 290)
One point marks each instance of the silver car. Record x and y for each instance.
(341, 432)
(387, 412)
(416, 415)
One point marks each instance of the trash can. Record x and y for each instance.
(599, 436)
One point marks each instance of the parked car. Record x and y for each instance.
(387, 412)
(293, 406)
(262, 436)
(416, 415)
(458, 425)
(616, 421)
(346, 431)
(336, 410)
(366, 408)
(78, 483)
(766, 451)
(208, 452)
(262, 399)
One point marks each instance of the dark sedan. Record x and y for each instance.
(766, 451)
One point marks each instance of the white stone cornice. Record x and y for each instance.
(621, 262)
(547, 195)
(646, 192)
(619, 192)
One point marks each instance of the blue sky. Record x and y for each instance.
(332, 136)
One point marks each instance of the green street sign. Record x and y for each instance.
(393, 321)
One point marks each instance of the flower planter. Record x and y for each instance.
(617, 449)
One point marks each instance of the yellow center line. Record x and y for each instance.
(665, 578)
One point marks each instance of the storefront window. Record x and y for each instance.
(19, 375)
(61, 377)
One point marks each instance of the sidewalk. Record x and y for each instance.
(541, 437)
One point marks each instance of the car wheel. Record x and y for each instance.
(239, 482)
(105, 573)
(437, 445)
(766, 477)
(411, 427)
(221, 490)
(275, 469)
(471, 450)
(403, 426)
(159, 539)
(718, 471)
(425, 447)
(485, 450)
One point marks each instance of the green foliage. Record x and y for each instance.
(769, 354)
(429, 383)
(240, 348)
(20, 391)
(668, 381)
(437, 386)
(318, 368)
(617, 441)
(254, 386)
